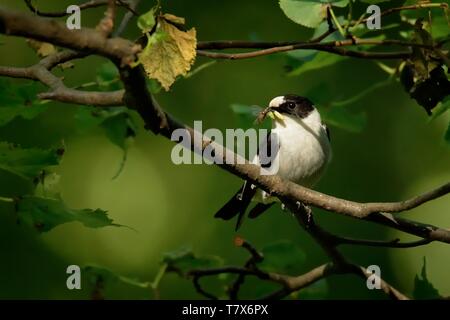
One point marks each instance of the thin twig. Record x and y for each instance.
(442, 5)
(126, 18)
(255, 257)
(87, 5)
(106, 25)
(385, 244)
(200, 290)
(322, 46)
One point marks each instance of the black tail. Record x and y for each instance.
(237, 205)
(259, 209)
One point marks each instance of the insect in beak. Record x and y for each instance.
(269, 111)
(275, 115)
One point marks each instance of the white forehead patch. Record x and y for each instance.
(276, 102)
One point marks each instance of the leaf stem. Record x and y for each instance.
(336, 22)
(200, 68)
(162, 270)
(349, 16)
(362, 93)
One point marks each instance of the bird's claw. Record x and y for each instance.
(307, 210)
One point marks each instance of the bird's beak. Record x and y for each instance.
(274, 114)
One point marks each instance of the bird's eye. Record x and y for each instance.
(291, 105)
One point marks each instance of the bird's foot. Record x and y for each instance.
(307, 210)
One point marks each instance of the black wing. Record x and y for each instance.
(239, 203)
(327, 131)
(264, 152)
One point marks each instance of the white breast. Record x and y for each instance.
(304, 150)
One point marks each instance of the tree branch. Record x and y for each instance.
(58, 91)
(386, 244)
(87, 5)
(442, 5)
(255, 257)
(85, 40)
(126, 18)
(329, 46)
(106, 25)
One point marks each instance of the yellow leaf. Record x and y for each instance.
(170, 52)
(43, 49)
(174, 19)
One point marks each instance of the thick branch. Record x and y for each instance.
(289, 283)
(58, 91)
(84, 40)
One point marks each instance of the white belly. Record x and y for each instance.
(304, 152)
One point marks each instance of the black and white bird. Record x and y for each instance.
(304, 151)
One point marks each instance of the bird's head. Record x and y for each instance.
(292, 105)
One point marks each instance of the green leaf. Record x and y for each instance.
(183, 260)
(153, 86)
(308, 13)
(45, 214)
(107, 276)
(440, 27)
(441, 108)
(116, 122)
(147, 21)
(323, 27)
(321, 60)
(116, 129)
(342, 118)
(108, 77)
(423, 289)
(101, 277)
(281, 256)
(27, 163)
(447, 134)
(19, 101)
(47, 185)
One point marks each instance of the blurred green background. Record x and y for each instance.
(399, 154)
